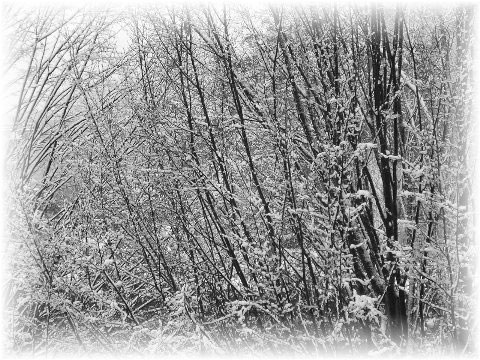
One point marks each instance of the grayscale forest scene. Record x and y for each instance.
(215, 179)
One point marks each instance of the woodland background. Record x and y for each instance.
(215, 179)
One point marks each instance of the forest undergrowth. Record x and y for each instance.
(217, 179)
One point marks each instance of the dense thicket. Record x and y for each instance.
(242, 179)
